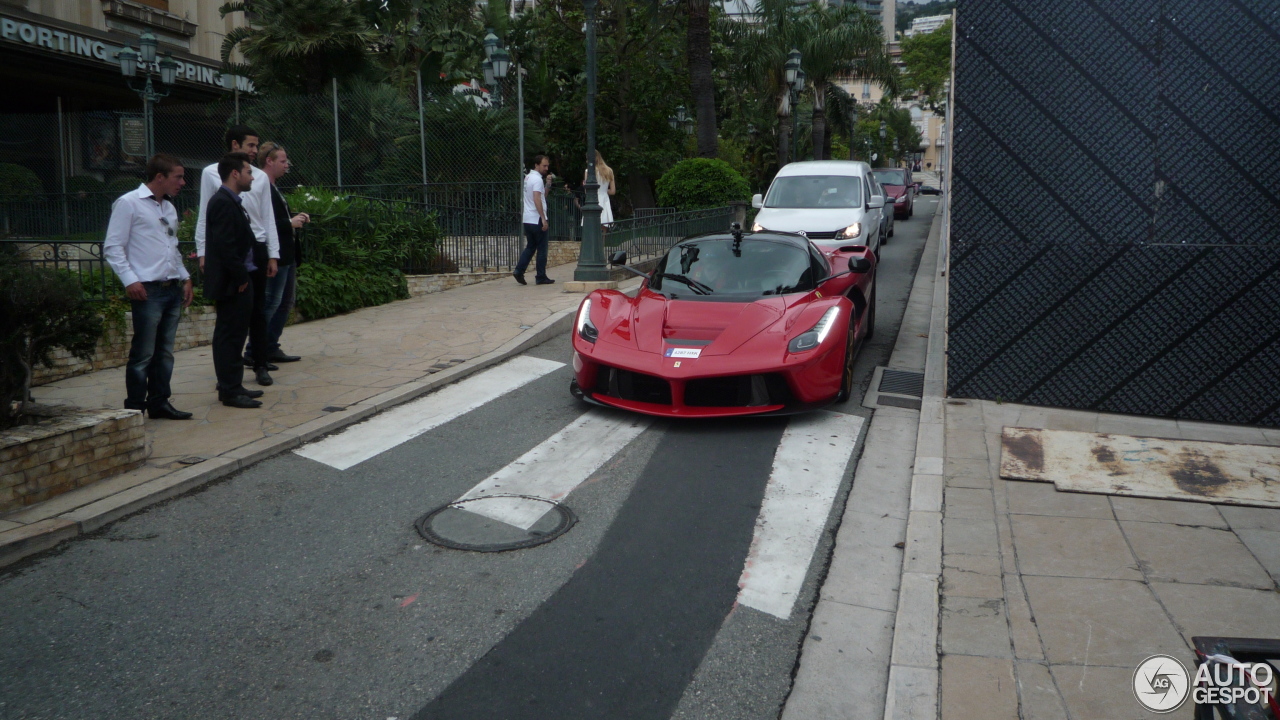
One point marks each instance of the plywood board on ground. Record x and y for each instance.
(1109, 464)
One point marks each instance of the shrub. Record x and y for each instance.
(40, 310)
(85, 184)
(18, 180)
(701, 183)
(324, 290)
(347, 231)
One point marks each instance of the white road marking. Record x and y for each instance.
(393, 427)
(808, 468)
(554, 468)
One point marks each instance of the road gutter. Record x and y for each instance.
(90, 510)
(880, 599)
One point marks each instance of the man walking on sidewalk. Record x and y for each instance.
(257, 203)
(535, 222)
(281, 289)
(228, 277)
(142, 248)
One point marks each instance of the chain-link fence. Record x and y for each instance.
(458, 152)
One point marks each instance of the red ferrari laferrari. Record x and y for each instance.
(729, 324)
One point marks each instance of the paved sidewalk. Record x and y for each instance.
(352, 365)
(1050, 599)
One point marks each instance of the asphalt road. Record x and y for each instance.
(299, 590)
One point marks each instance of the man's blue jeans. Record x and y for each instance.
(155, 325)
(279, 302)
(535, 239)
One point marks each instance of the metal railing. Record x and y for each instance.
(655, 234)
(82, 259)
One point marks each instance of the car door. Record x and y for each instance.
(875, 216)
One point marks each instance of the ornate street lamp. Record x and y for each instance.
(853, 124)
(488, 73)
(792, 66)
(491, 43)
(139, 68)
(796, 88)
(882, 133)
(591, 266)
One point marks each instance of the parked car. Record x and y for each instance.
(900, 187)
(929, 190)
(729, 324)
(832, 202)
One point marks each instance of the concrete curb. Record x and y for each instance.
(21, 542)
(914, 671)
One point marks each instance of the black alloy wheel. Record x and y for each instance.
(846, 379)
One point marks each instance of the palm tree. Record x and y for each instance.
(835, 41)
(698, 54)
(298, 45)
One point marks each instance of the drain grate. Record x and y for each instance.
(895, 401)
(900, 382)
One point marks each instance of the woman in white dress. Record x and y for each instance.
(604, 176)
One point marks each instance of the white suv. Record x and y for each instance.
(832, 202)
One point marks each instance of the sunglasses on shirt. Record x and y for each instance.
(165, 221)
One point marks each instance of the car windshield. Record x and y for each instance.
(890, 177)
(815, 191)
(709, 268)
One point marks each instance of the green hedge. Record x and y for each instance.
(324, 290)
(701, 183)
(18, 180)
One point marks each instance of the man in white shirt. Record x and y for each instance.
(535, 222)
(142, 248)
(257, 203)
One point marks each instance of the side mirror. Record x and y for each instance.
(618, 258)
(876, 201)
(757, 201)
(859, 264)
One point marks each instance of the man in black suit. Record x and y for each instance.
(229, 263)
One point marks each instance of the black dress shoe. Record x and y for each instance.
(545, 281)
(519, 278)
(166, 411)
(261, 377)
(279, 356)
(242, 390)
(241, 401)
(248, 362)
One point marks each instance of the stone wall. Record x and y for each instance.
(561, 252)
(68, 448)
(195, 328)
(425, 284)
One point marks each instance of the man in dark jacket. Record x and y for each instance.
(229, 262)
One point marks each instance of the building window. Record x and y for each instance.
(158, 4)
(866, 90)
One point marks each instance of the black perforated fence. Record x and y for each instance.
(1116, 207)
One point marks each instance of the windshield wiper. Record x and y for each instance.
(697, 287)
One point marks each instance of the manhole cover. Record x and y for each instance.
(473, 524)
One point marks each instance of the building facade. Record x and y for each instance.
(68, 112)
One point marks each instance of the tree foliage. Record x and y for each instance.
(927, 58)
(298, 45)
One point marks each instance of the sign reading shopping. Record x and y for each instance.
(64, 42)
(1162, 684)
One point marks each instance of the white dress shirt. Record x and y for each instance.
(142, 239)
(256, 202)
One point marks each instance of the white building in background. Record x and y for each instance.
(922, 25)
(883, 10)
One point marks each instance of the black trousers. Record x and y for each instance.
(229, 332)
(258, 320)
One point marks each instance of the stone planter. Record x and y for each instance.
(66, 449)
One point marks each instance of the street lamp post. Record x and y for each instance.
(882, 134)
(144, 59)
(791, 69)
(591, 266)
(795, 114)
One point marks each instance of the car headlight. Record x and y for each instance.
(900, 199)
(813, 337)
(757, 227)
(852, 231)
(586, 330)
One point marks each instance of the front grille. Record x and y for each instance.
(737, 391)
(629, 385)
(821, 235)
